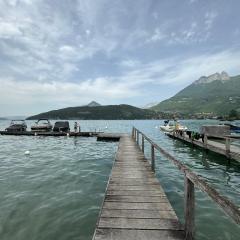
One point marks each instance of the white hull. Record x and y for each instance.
(172, 128)
(167, 128)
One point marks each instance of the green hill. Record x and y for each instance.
(110, 112)
(217, 94)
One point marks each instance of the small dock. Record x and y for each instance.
(135, 206)
(223, 148)
(52, 134)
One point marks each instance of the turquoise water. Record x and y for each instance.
(56, 192)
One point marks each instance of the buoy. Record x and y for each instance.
(67, 134)
(27, 153)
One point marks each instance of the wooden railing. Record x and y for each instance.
(190, 181)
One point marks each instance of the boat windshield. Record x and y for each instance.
(43, 121)
(13, 122)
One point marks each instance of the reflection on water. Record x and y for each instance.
(56, 191)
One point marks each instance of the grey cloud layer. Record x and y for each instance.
(110, 51)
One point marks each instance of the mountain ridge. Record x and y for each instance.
(109, 112)
(214, 95)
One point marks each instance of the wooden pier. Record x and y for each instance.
(224, 148)
(135, 205)
(52, 134)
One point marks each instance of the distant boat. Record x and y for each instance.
(169, 126)
(42, 125)
(17, 126)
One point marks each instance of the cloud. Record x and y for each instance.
(209, 19)
(111, 50)
(130, 63)
(157, 36)
(9, 30)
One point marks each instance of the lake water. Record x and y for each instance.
(56, 191)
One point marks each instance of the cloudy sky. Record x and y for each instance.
(59, 53)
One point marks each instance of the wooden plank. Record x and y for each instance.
(135, 193)
(142, 205)
(135, 199)
(136, 213)
(139, 223)
(139, 187)
(189, 209)
(124, 234)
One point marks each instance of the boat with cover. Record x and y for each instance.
(42, 125)
(61, 126)
(17, 126)
(170, 126)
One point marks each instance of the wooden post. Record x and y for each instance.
(152, 158)
(189, 209)
(227, 144)
(133, 132)
(137, 137)
(205, 139)
(142, 143)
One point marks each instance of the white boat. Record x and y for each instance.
(170, 126)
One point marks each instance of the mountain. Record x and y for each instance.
(110, 112)
(93, 104)
(14, 117)
(149, 105)
(216, 94)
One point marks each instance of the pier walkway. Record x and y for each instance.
(224, 148)
(135, 205)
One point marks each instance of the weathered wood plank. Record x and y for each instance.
(136, 213)
(139, 187)
(135, 193)
(135, 199)
(119, 234)
(145, 205)
(139, 223)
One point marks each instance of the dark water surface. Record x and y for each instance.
(56, 192)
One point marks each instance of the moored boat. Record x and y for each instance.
(61, 126)
(42, 125)
(170, 126)
(17, 126)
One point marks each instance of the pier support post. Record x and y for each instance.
(142, 143)
(189, 208)
(137, 138)
(205, 140)
(227, 144)
(152, 158)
